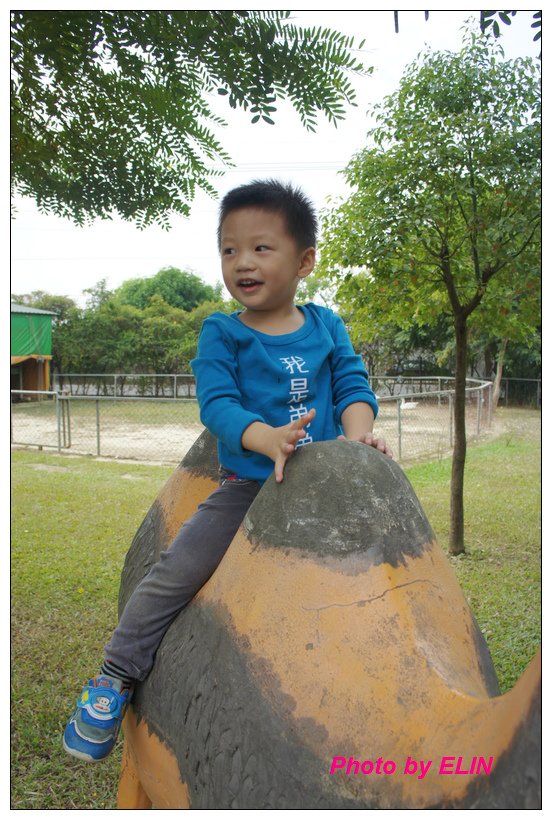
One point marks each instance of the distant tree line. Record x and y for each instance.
(147, 325)
(151, 325)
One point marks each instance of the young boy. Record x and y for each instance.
(270, 379)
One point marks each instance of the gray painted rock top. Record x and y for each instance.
(338, 498)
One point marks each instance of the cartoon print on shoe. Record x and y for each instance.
(93, 728)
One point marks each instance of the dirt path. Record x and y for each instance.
(425, 433)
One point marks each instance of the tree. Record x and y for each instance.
(110, 110)
(98, 295)
(102, 338)
(445, 214)
(176, 287)
(161, 331)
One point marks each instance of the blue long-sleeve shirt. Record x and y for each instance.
(243, 375)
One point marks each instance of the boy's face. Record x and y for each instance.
(261, 263)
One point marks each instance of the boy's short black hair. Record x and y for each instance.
(272, 195)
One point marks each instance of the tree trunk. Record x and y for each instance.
(499, 369)
(456, 537)
(488, 362)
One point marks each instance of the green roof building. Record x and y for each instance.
(31, 348)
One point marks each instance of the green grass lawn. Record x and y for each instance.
(500, 572)
(74, 518)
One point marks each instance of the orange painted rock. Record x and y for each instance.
(330, 662)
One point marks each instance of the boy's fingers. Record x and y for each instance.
(279, 471)
(307, 418)
(298, 425)
(379, 444)
(294, 432)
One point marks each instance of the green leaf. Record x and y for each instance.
(101, 99)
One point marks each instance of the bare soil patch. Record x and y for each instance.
(424, 430)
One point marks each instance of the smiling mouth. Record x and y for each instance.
(248, 284)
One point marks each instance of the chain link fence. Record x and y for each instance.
(521, 393)
(416, 418)
(130, 428)
(416, 414)
(422, 425)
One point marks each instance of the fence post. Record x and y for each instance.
(451, 419)
(60, 401)
(68, 406)
(478, 411)
(398, 403)
(63, 400)
(58, 423)
(98, 426)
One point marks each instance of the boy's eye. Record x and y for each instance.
(262, 248)
(228, 251)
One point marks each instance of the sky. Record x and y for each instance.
(50, 253)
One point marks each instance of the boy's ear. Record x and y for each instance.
(308, 258)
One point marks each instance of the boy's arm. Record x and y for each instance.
(278, 443)
(350, 383)
(217, 386)
(358, 423)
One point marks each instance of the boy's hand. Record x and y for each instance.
(278, 443)
(285, 441)
(357, 418)
(378, 442)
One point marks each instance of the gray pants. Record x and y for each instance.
(180, 572)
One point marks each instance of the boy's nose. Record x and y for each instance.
(245, 261)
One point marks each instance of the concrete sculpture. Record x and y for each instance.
(330, 662)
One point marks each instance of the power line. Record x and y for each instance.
(89, 258)
(334, 165)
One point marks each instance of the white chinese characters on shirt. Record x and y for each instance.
(298, 392)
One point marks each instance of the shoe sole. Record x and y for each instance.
(81, 755)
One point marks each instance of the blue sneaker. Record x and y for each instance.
(93, 727)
